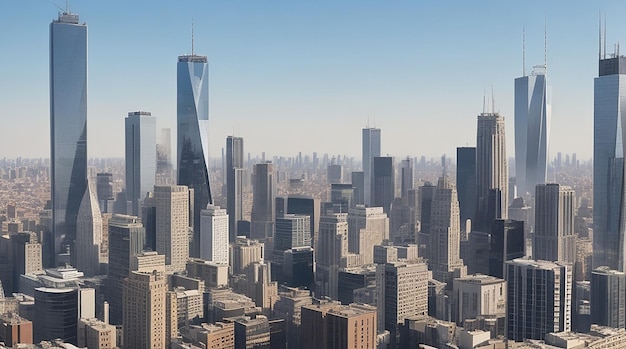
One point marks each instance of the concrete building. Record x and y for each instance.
(492, 170)
(289, 307)
(554, 224)
(189, 306)
(147, 262)
(172, 225)
(15, 330)
(367, 227)
(539, 298)
(214, 223)
(144, 315)
(244, 252)
(211, 336)
(479, 295)
(445, 234)
(332, 325)
(96, 334)
(213, 274)
(252, 333)
(402, 293)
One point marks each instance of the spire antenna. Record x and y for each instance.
(599, 35)
(192, 43)
(493, 101)
(604, 39)
(523, 51)
(545, 42)
(484, 93)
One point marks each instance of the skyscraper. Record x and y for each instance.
(89, 234)
(554, 224)
(367, 227)
(292, 230)
(172, 217)
(608, 164)
(332, 245)
(371, 149)
(533, 111)
(141, 161)
(68, 125)
(263, 202)
(492, 171)
(383, 183)
(445, 234)
(214, 234)
(192, 134)
(539, 298)
(144, 310)
(406, 178)
(608, 297)
(466, 182)
(234, 183)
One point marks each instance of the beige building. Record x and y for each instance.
(555, 240)
(478, 295)
(172, 225)
(213, 274)
(96, 334)
(144, 313)
(147, 262)
(367, 227)
(211, 336)
(188, 305)
(244, 252)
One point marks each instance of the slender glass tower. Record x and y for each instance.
(532, 129)
(141, 161)
(68, 126)
(371, 149)
(609, 110)
(192, 135)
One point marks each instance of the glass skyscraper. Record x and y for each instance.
(371, 149)
(140, 157)
(608, 163)
(193, 135)
(533, 111)
(68, 125)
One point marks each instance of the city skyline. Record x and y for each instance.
(369, 64)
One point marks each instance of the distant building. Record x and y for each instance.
(383, 183)
(608, 297)
(141, 161)
(234, 183)
(263, 204)
(214, 223)
(371, 149)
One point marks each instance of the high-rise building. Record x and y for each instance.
(445, 234)
(539, 298)
(234, 183)
(164, 170)
(263, 202)
(252, 333)
(533, 109)
(466, 183)
(192, 134)
(335, 173)
(214, 234)
(608, 164)
(15, 330)
(341, 197)
(506, 243)
(402, 293)
(406, 178)
(292, 230)
(68, 125)
(141, 161)
(172, 225)
(383, 183)
(492, 170)
(333, 245)
(127, 238)
(479, 296)
(244, 252)
(554, 224)
(358, 183)
(304, 205)
(144, 310)
(371, 149)
(104, 189)
(89, 234)
(332, 325)
(59, 310)
(608, 297)
(426, 193)
(96, 334)
(367, 227)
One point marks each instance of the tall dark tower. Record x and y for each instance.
(466, 182)
(234, 183)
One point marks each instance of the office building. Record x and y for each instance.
(292, 230)
(140, 157)
(303, 205)
(289, 307)
(492, 170)
(554, 224)
(383, 183)
(214, 223)
(192, 134)
(164, 169)
(104, 189)
(298, 267)
(126, 239)
(367, 227)
(144, 313)
(335, 174)
(252, 333)
(89, 234)
(332, 325)
(506, 243)
(539, 298)
(445, 234)
(172, 225)
(479, 295)
(15, 330)
(406, 178)
(533, 109)
(59, 310)
(333, 245)
(608, 297)
(466, 183)
(263, 202)
(371, 149)
(213, 274)
(68, 125)
(341, 197)
(426, 193)
(608, 163)
(244, 252)
(402, 293)
(358, 183)
(234, 183)
(96, 334)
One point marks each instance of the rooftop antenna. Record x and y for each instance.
(192, 43)
(523, 51)
(493, 101)
(484, 93)
(67, 6)
(599, 35)
(604, 39)
(545, 42)
(55, 5)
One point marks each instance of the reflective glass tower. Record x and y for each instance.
(609, 114)
(532, 129)
(371, 149)
(192, 135)
(68, 125)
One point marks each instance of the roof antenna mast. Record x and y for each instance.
(484, 93)
(604, 39)
(599, 35)
(192, 43)
(523, 51)
(545, 43)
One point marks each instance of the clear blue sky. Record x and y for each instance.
(306, 75)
